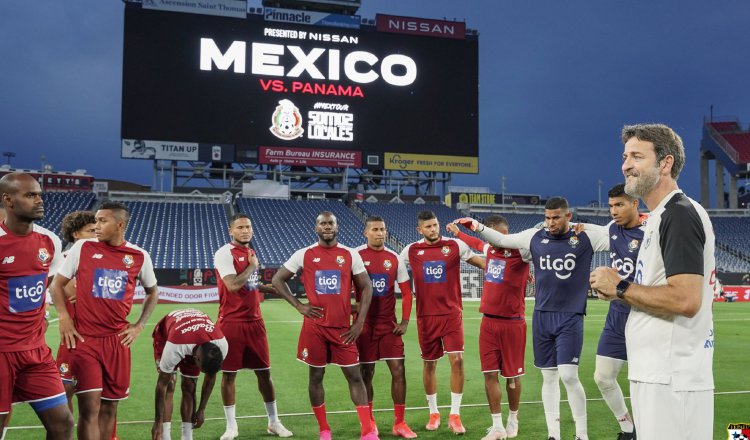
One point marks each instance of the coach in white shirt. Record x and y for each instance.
(669, 334)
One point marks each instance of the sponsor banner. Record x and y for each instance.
(420, 26)
(309, 157)
(453, 199)
(425, 162)
(163, 150)
(181, 294)
(223, 8)
(312, 18)
(734, 294)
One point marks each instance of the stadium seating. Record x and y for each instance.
(283, 226)
(58, 204)
(401, 218)
(741, 143)
(178, 235)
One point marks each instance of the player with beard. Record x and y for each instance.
(29, 253)
(669, 333)
(327, 337)
(381, 335)
(242, 323)
(436, 269)
(562, 261)
(502, 334)
(106, 271)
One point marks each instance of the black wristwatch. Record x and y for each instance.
(622, 286)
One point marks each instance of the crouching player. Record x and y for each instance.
(185, 340)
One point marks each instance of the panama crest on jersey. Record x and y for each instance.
(340, 260)
(445, 250)
(573, 242)
(633, 245)
(128, 261)
(43, 255)
(387, 264)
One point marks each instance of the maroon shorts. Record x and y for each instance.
(378, 343)
(30, 376)
(102, 364)
(502, 346)
(440, 334)
(63, 364)
(248, 346)
(319, 346)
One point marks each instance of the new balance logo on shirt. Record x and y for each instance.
(97, 256)
(8, 259)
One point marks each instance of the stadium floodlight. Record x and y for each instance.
(9, 155)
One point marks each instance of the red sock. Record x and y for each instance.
(371, 416)
(363, 412)
(398, 413)
(320, 414)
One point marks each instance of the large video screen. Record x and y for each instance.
(214, 80)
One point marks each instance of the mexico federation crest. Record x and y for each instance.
(633, 245)
(340, 260)
(573, 242)
(286, 121)
(43, 255)
(304, 353)
(128, 261)
(446, 250)
(387, 264)
(738, 431)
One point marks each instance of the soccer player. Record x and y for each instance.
(562, 261)
(185, 340)
(328, 271)
(625, 237)
(436, 269)
(106, 271)
(381, 335)
(77, 225)
(29, 253)
(242, 323)
(669, 333)
(502, 335)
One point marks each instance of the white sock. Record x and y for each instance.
(273, 416)
(432, 403)
(229, 414)
(2, 437)
(166, 431)
(551, 401)
(187, 431)
(456, 402)
(576, 398)
(497, 421)
(512, 416)
(605, 377)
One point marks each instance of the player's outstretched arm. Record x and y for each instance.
(208, 386)
(521, 240)
(68, 333)
(280, 283)
(472, 242)
(159, 403)
(364, 286)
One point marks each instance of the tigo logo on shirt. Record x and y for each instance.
(379, 284)
(252, 282)
(495, 271)
(109, 284)
(26, 293)
(434, 271)
(327, 282)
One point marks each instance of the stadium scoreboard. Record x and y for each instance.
(201, 87)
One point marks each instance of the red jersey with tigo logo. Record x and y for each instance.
(327, 276)
(177, 334)
(385, 270)
(105, 283)
(25, 262)
(504, 288)
(436, 271)
(244, 304)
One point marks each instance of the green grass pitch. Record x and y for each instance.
(731, 374)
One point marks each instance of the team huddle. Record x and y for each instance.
(662, 266)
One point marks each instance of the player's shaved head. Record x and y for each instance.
(119, 210)
(11, 183)
(326, 215)
(210, 357)
(22, 199)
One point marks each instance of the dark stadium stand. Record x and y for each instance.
(177, 234)
(283, 226)
(58, 204)
(401, 218)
